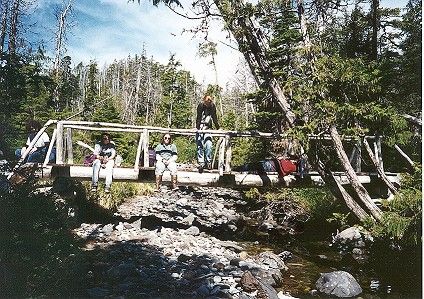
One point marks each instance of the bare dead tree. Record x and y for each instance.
(4, 8)
(13, 29)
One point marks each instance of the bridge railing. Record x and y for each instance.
(62, 138)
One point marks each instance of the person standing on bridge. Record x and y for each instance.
(206, 113)
(104, 152)
(166, 158)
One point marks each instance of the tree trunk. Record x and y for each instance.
(253, 47)
(4, 8)
(351, 175)
(60, 37)
(375, 28)
(380, 169)
(13, 35)
(337, 189)
(404, 155)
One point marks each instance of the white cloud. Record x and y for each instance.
(114, 29)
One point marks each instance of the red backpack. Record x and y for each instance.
(287, 166)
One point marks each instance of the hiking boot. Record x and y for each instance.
(200, 168)
(209, 166)
(174, 183)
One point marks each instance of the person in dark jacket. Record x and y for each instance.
(206, 115)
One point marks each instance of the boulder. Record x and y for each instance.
(353, 237)
(249, 283)
(272, 260)
(338, 283)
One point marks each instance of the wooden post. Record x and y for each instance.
(379, 167)
(137, 157)
(69, 151)
(377, 145)
(59, 144)
(228, 153)
(355, 158)
(146, 147)
(52, 141)
(221, 158)
(217, 147)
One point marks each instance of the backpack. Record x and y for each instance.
(152, 158)
(89, 159)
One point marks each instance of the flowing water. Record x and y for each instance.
(389, 274)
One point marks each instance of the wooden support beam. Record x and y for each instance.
(212, 178)
(379, 167)
(217, 147)
(228, 153)
(59, 144)
(52, 141)
(404, 155)
(377, 149)
(138, 154)
(146, 147)
(69, 151)
(221, 157)
(356, 156)
(335, 185)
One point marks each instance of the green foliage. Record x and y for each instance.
(174, 109)
(413, 180)
(401, 222)
(340, 219)
(252, 194)
(186, 147)
(106, 112)
(319, 203)
(245, 150)
(120, 191)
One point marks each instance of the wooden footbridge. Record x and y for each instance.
(64, 166)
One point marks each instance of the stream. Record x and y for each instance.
(197, 243)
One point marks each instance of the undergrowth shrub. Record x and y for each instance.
(119, 192)
(318, 202)
(401, 220)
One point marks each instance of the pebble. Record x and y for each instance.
(161, 252)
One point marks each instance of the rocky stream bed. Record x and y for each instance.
(186, 244)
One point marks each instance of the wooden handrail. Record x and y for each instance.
(115, 127)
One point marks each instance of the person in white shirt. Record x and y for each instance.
(38, 152)
(105, 154)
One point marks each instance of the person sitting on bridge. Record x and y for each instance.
(166, 157)
(206, 113)
(39, 150)
(104, 152)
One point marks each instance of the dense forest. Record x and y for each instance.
(339, 68)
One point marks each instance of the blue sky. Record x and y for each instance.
(104, 30)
